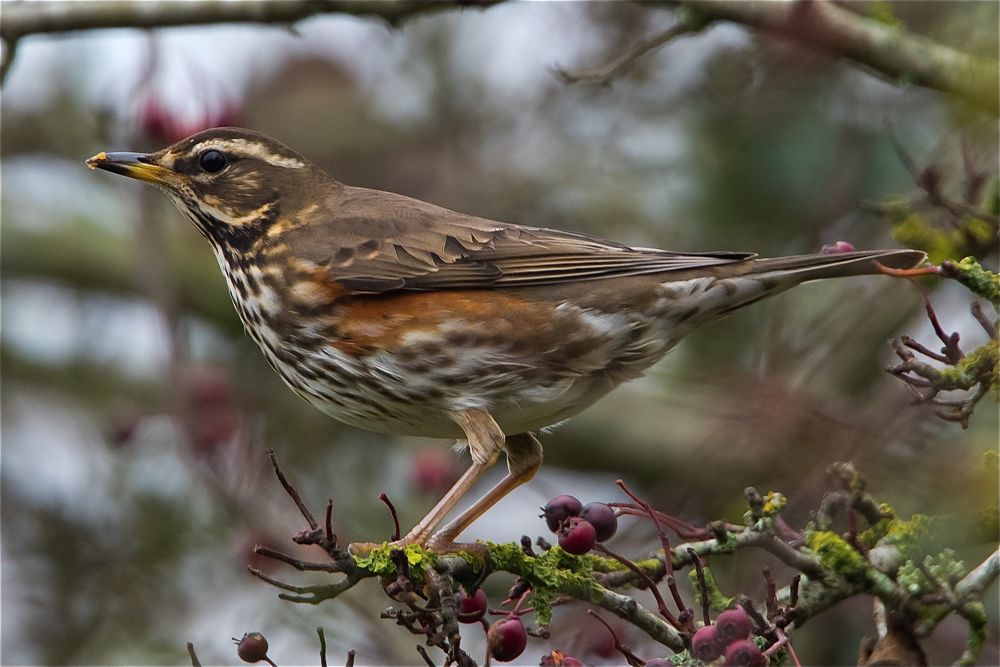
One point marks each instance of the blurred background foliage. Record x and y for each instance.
(136, 413)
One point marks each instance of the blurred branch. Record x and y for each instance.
(890, 50)
(21, 19)
(688, 23)
(85, 256)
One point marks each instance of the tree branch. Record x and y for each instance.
(57, 16)
(21, 19)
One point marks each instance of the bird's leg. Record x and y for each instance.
(524, 458)
(485, 441)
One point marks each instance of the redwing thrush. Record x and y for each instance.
(399, 316)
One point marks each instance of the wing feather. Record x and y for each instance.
(384, 242)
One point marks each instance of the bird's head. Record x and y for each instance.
(233, 183)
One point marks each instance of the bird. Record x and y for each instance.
(398, 316)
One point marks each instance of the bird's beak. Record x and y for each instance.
(133, 165)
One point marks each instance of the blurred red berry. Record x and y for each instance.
(432, 470)
(252, 648)
(577, 536)
(731, 625)
(602, 518)
(157, 122)
(506, 639)
(228, 115)
(705, 644)
(744, 653)
(471, 608)
(214, 415)
(559, 509)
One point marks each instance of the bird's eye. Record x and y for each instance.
(212, 161)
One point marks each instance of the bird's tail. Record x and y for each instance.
(838, 265)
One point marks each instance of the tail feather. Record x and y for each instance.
(839, 265)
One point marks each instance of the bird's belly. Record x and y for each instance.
(402, 365)
(386, 393)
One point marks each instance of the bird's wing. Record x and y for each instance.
(391, 242)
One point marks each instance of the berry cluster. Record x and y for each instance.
(579, 527)
(729, 636)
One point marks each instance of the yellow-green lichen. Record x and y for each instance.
(916, 230)
(553, 571)
(917, 536)
(717, 602)
(881, 11)
(836, 554)
(982, 281)
(379, 561)
(943, 567)
(774, 502)
(979, 365)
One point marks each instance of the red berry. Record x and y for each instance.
(559, 659)
(577, 536)
(705, 644)
(471, 609)
(252, 648)
(744, 653)
(659, 662)
(731, 625)
(602, 518)
(506, 639)
(559, 509)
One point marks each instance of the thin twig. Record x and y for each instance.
(195, 662)
(322, 647)
(392, 511)
(423, 654)
(702, 584)
(290, 490)
(328, 522)
(630, 657)
(605, 74)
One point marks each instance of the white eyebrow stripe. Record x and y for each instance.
(250, 149)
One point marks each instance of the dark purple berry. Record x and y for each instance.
(559, 509)
(471, 608)
(577, 536)
(731, 625)
(705, 644)
(559, 659)
(252, 648)
(602, 518)
(744, 653)
(506, 639)
(659, 662)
